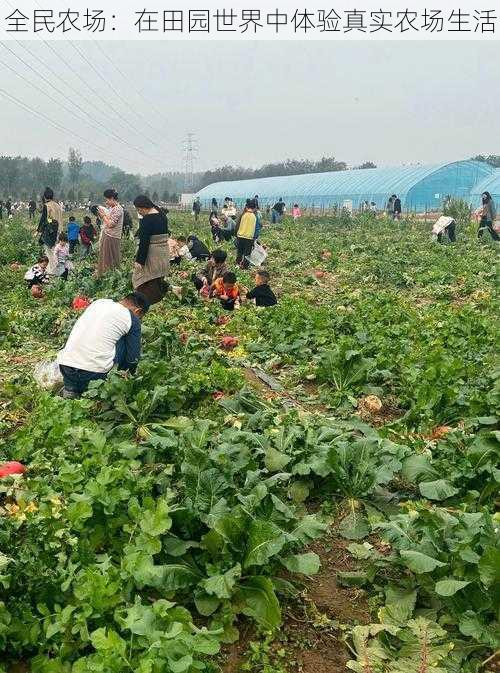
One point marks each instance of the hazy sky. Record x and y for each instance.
(248, 104)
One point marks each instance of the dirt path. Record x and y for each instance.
(311, 635)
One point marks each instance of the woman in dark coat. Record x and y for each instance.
(152, 260)
(488, 215)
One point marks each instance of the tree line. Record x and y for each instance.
(23, 178)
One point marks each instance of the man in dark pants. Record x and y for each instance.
(398, 208)
(245, 233)
(107, 334)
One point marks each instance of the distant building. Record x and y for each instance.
(187, 199)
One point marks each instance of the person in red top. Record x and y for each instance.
(87, 236)
(227, 290)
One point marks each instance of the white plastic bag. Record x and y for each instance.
(258, 255)
(48, 375)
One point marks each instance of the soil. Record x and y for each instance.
(311, 634)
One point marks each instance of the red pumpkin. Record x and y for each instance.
(222, 320)
(36, 292)
(12, 467)
(319, 274)
(80, 303)
(218, 395)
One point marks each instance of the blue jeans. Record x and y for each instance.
(276, 217)
(77, 380)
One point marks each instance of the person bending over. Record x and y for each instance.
(227, 290)
(215, 268)
(106, 334)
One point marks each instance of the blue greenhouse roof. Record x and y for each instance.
(359, 181)
(375, 183)
(490, 184)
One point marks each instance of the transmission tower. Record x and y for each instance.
(190, 146)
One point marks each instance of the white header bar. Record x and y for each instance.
(249, 20)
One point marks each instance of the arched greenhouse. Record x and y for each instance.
(490, 184)
(420, 188)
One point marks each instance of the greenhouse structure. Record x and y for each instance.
(420, 188)
(490, 184)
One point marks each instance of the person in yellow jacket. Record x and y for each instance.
(245, 233)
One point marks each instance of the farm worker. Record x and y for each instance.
(278, 211)
(112, 220)
(398, 209)
(1, 211)
(487, 214)
(73, 234)
(245, 233)
(152, 261)
(262, 294)
(8, 207)
(48, 227)
(215, 205)
(87, 236)
(196, 209)
(256, 199)
(107, 333)
(32, 209)
(296, 212)
(444, 226)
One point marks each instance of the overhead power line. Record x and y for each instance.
(53, 123)
(125, 123)
(76, 105)
(109, 84)
(127, 80)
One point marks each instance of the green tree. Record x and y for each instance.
(127, 185)
(491, 159)
(54, 173)
(75, 164)
(368, 164)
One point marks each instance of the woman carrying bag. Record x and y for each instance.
(152, 261)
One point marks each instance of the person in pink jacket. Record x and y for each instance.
(296, 212)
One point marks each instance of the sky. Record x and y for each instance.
(249, 104)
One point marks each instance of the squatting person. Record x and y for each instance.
(106, 334)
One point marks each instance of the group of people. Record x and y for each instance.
(394, 207)
(109, 333)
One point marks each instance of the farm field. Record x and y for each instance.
(195, 518)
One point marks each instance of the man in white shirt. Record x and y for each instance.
(106, 334)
